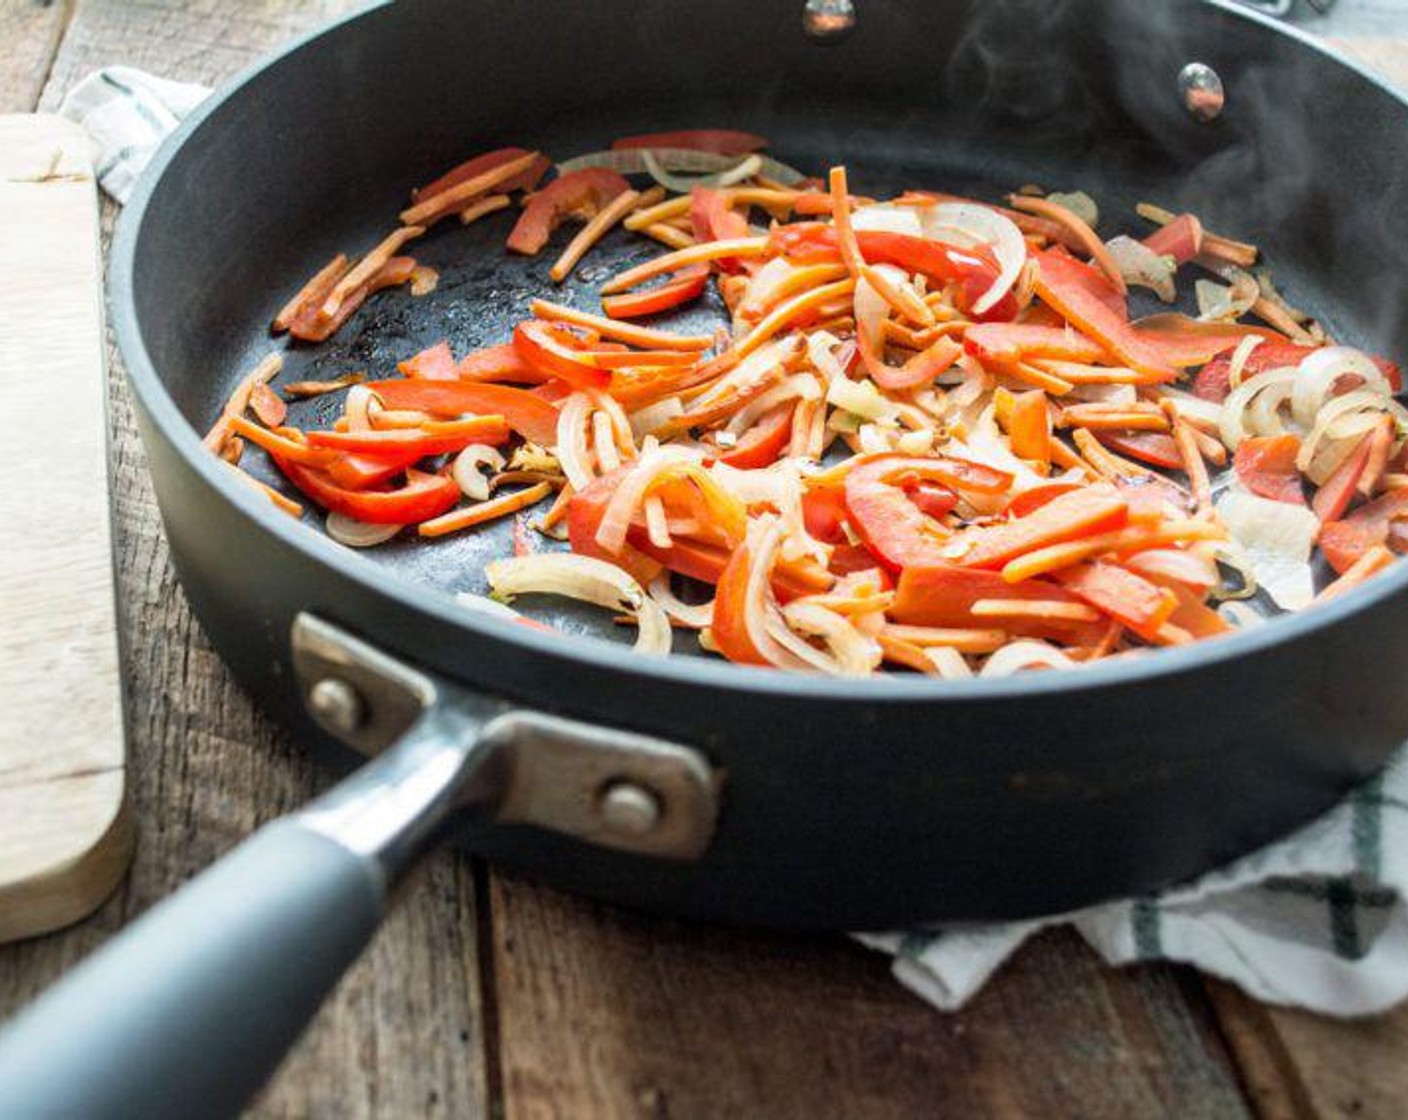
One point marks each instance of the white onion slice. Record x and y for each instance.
(863, 399)
(633, 161)
(358, 534)
(854, 654)
(981, 225)
(630, 492)
(696, 617)
(653, 417)
(1139, 264)
(1232, 422)
(1219, 304)
(1320, 369)
(1334, 411)
(588, 579)
(466, 472)
(1027, 654)
(1276, 539)
(745, 168)
(1078, 203)
(571, 449)
(949, 663)
(763, 288)
(888, 219)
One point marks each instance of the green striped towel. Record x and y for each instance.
(1317, 920)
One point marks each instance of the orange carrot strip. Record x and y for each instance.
(559, 507)
(1057, 556)
(592, 232)
(1101, 417)
(317, 288)
(1375, 560)
(1106, 462)
(683, 258)
(841, 218)
(283, 501)
(901, 298)
(459, 196)
(659, 212)
(482, 206)
(623, 332)
(1024, 371)
(1081, 374)
(1047, 610)
(267, 369)
(789, 310)
(281, 445)
(480, 512)
(1088, 238)
(1189, 451)
(366, 268)
(900, 652)
(669, 235)
(965, 641)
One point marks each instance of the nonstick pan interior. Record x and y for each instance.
(1055, 119)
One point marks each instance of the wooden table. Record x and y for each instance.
(489, 995)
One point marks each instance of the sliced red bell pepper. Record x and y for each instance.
(711, 217)
(499, 363)
(524, 181)
(1006, 344)
(1266, 465)
(1081, 513)
(1156, 448)
(943, 595)
(435, 363)
(1028, 501)
(1379, 522)
(1028, 424)
(728, 625)
(686, 285)
(886, 519)
(1185, 342)
(1213, 380)
(1181, 239)
(1333, 498)
(721, 141)
(424, 496)
(761, 444)
(1094, 281)
(546, 351)
(360, 471)
(1123, 595)
(1061, 284)
(824, 514)
(577, 194)
(417, 440)
(529, 415)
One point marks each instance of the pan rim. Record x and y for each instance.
(569, 651)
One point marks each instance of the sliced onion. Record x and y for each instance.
(762, 364)
(636, 161)
(1332, 413)
(466, 474)
(631, 491)
(985, 444)
(653, 417)
(874, 440)
(1320, 369)
(853, 654)
(695, 617)
(799, 386)
(980, 225)
(1105, 394)
(871, 308)
(1219, 304)
(763, 288)
(571, 449)
(1239, 359)
(1197, 408)
(949, 663)
(861, 398)
(888, 219)
(764, 537)
(1232, 422)
(357, 408)
(1139, 264)
(1276, 538)
(1078, 203)
(1027, 654)
(358, 534)
(745, 168)
(588, 579)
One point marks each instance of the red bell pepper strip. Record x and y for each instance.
(524, 181)
(686, 285)
(1123, 595)
(1155, 448)
(824, 514)
(529, 415)
(761, 444)
(577, 194)
(1029, 501)
(887, 520)
(1382, 522)
(943, 595)
(424, 496)
(489, 429)
(360, 471)
(1060, 283)
(1181, 239)
(499, 363)
(547, 351)
(1081, 513)
(1094, 281)
(309, 326)
(1006, 344)
(721, 141)
(1030, 224)
(1213, 380)
(1333, 498)
(711, 217)
(729, 626)
(435, 363)
(1266, 465)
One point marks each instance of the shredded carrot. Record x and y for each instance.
(963, 640)
(1374, 560)
(280, 444)
(283, 501)
(669, 235)
(267, 369)
(659, 212)
(785, 312)
(592, 232)
(558, 510)
(299, 389)
(1080, 374)
(1192, 456)
(901, 298)
(1224, 248)
(481, 207)
(316, 289)
(1099, 417)
(901, 652)
(1106, 463)
(841, 218)
(366, 268)
(1057, 556)
(1045, 610)
(460, 195)
(1032, 375)
(683, 258)
(622, 332)
(481, 512)
(1089, 240)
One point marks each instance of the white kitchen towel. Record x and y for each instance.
(1317, 920)
(128, 113)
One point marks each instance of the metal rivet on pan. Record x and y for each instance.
(629, 808)
(1203, 94)
(337, 705)
(828, 20)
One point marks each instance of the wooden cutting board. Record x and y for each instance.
(65, 828)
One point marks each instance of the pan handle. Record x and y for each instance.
(188, 1011)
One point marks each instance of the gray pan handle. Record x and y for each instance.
(187, 1012)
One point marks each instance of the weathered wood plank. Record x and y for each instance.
(401, 1036)
(30, 31)
(604, 1013)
